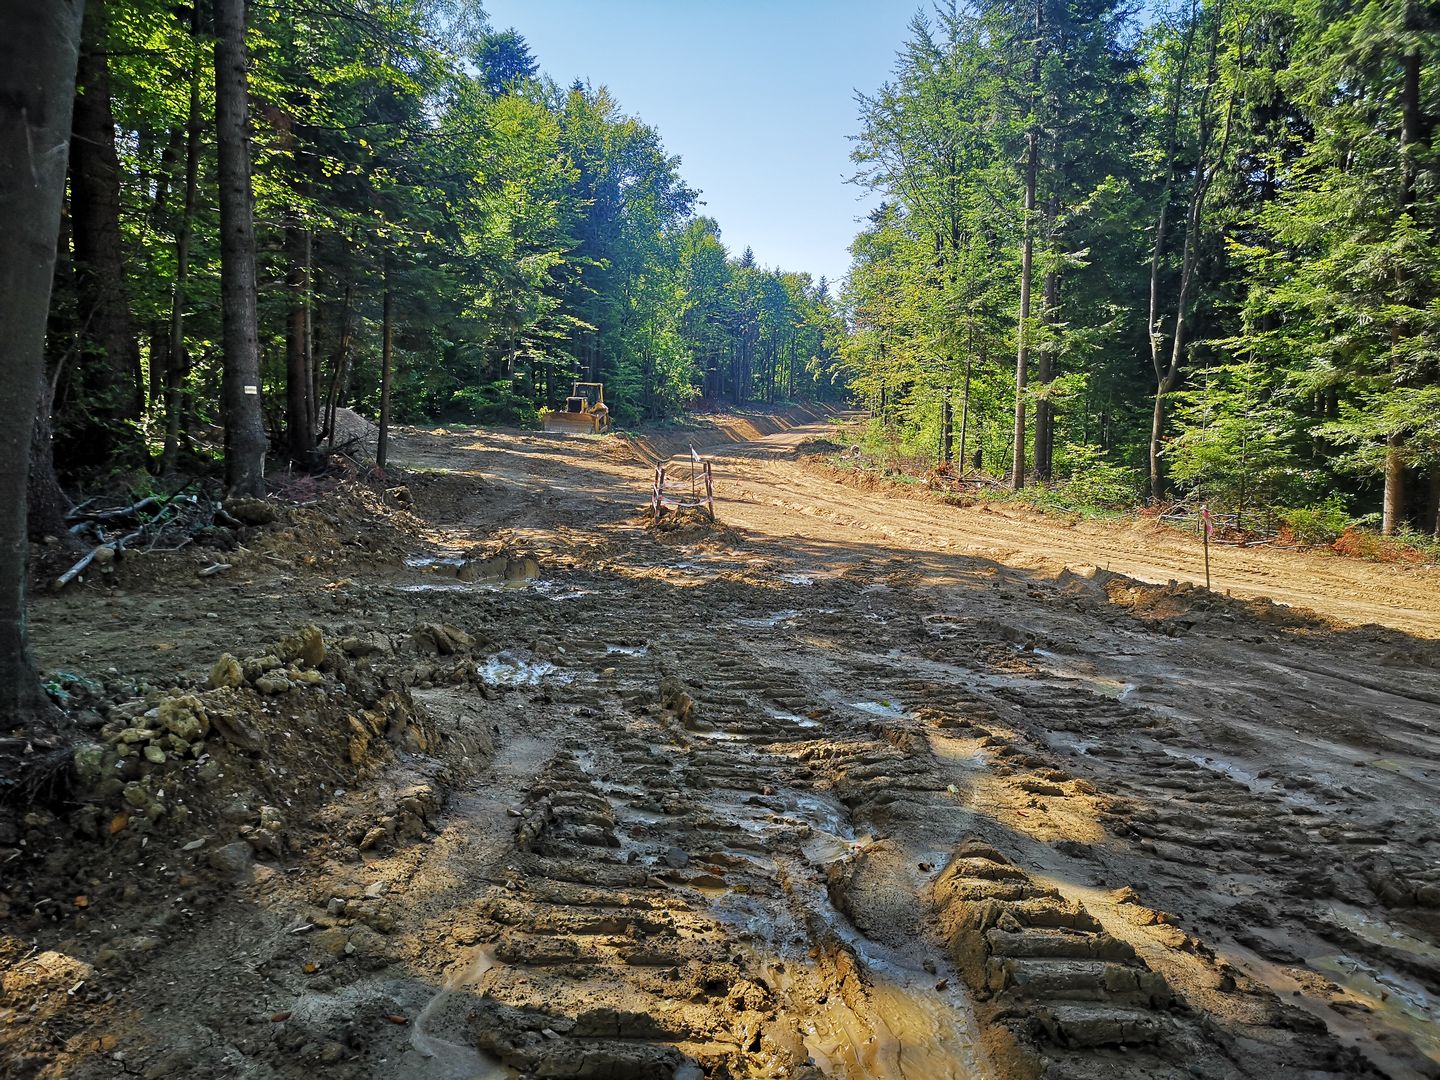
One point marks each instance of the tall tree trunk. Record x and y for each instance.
(109, 369)
(1044, 408)
(386, 366)
(947, 425)
(37, 85)
(1027, 262)
(46, 502)
(965, 411)
(1393, 507)
(339, 369)
(1168, 373)
(299, 436)
(1435, 503)
(175, 365)
(244, 421)
(1022, 355)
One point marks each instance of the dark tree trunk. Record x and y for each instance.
(1393, 505)
(175, 365)
(1027, 261)
(1044, 408)
(300, 437)
(386, 361)
(46, 501)
(108, 373)
(37, 85)
(244, 423)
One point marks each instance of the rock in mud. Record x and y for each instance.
(233, 858)
(677, 859)
(677, 699)
(89, 763)
(252, 511)
(236, 731)
(273, 682)
(491, 569)
(366, 645)
(436, 639)
(305, 646)
(184, 716)
(226, 672)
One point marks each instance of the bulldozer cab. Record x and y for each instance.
(585, 397)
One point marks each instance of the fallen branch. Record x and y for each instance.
(113, 546)
(116, 513)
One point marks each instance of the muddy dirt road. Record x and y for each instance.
(853, 785)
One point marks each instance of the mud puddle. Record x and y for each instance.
(769, 622)
(509, 669)
(434, 1058)
(882, 707)
(908, 1026)
(1397, 1001)
(627, 650)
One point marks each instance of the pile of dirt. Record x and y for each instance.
(691, 526)
(355, 434)
(214, 781)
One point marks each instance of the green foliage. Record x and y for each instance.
(1092, 482)
(1248, 187)
(495, 403)
(1317, 526)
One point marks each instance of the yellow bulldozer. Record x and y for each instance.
(585, 411)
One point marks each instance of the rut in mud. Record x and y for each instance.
(781, 798)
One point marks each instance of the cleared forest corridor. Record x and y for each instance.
(850, 785)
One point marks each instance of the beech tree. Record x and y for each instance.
(38, 59)
(245, 442)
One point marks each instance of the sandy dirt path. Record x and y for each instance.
(765, 489)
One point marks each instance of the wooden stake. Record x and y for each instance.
(1205, 532)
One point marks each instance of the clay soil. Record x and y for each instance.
(497, 781)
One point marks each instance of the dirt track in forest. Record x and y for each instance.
(854, 785)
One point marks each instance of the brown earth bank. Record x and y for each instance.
(475, 775)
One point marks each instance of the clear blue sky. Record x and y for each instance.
(757, 97)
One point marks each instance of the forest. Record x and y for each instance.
(382, 205)
(1143, 254)
(877, 702)
(1191, 252)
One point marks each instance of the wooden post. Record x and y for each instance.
(1205, 531)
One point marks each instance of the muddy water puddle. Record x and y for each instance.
(627, 650)
(906, 1028)
(883, 707)
(1396, 1000)
(792, 718)
(434, 1058)
(771, 621)
(510, 669)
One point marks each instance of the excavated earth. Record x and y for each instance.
(481, 777)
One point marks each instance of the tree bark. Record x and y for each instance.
(244, 423)
(46, 501)
(1027, 261)
(965, 411)
(175, 365)
(386, 362)
(1022, 356)
(299, 435)
(1393, 503)
(1167, 373)
(38, 55)
(108, 371)
(1044, 408)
